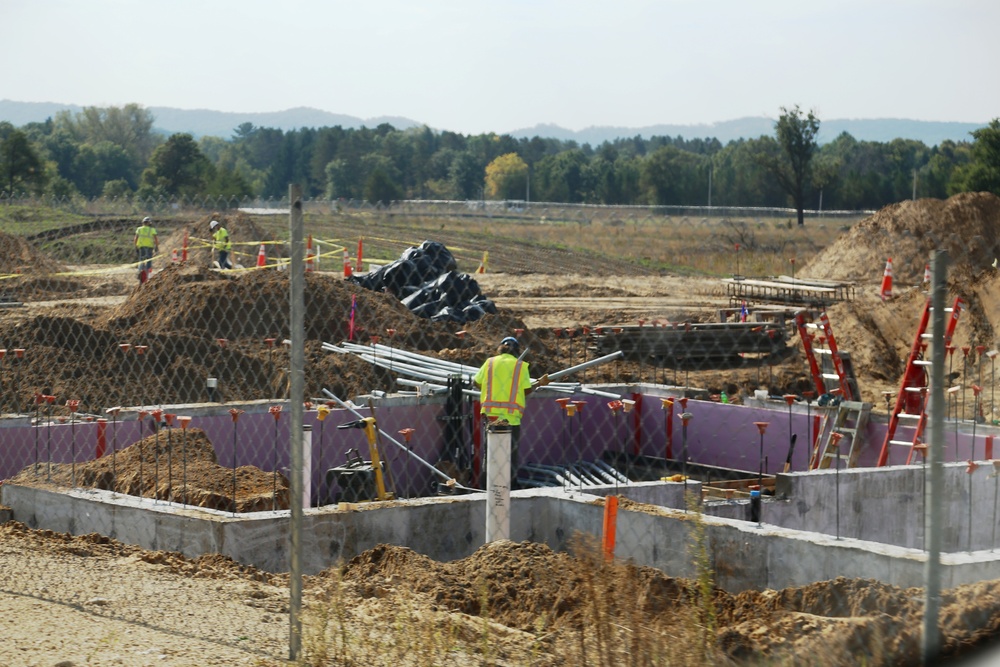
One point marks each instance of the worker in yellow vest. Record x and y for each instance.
(222, 243)
(146, 244)
(503, 382)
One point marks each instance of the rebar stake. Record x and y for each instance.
(275, 411)
(142, 455)
(39, 399)
(761, 428)
(50, 400)
(169, 419)
(322, 412)
(969, 469)
(72, 404)
(835, 444)
(114, 444)
(235, 414)
(157, 416)
(184, 422)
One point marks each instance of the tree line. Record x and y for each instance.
(116, 152)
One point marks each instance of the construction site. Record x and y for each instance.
(771, 432)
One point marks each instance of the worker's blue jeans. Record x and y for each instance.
(145, 258)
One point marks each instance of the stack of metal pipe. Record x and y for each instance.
(430, 375)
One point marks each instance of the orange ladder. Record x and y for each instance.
(911, 401)
(815, 368)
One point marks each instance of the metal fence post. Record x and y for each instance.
(297, 335)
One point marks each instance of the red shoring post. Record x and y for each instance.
(965, 374)
(667, 404)
(347, 264)
(610, 527)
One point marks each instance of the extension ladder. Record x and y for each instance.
(850, 419)
(911, 401)
(844, 380)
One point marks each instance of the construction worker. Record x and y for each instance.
(222, 243)
(146, 244)
(504, 381)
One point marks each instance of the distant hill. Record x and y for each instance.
(881, 130)
(205, 122)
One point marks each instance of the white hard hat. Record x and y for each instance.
(213, 224)
(146, 219)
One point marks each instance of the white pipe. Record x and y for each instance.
(497, 484)
(598, 392)
(587, 364)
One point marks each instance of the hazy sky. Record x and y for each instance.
(473, 66)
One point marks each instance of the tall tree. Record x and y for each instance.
(507, 177)
(793, 169)
(983, 173)
(20, 166)
(178, 167)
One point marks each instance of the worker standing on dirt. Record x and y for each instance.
(146, 244)
(503, 382)
(222, 243)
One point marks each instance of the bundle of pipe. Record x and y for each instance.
(434, 373)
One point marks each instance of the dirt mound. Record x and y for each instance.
(244, 234)
(19, 256)
(183, 312)
(170, 465)
(966, 225)
(522, 584)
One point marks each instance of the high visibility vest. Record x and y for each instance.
(145, 237)
(221, 237)
(503, 380)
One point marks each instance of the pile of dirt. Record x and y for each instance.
(191, 323)
(967, 226)
(19, 256)
(244, 234)
(172, 464)
(516, 585)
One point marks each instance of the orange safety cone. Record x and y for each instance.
(886, 291)
(309, 253)
(927, 274)
(482, 264)
(261, 257)
(347, 264)
(173, 255)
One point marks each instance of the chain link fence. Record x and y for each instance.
(172, 390)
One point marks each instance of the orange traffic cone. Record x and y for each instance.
(173, 255)
(886, 291)
(485, 260)
(261, 257)
(347, 264)
(927, 274)
(309, 253)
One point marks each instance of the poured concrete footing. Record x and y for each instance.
(659, 533)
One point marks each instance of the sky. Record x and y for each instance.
(472, 66)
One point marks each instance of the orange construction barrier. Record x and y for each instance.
(886, 291)
(610, 526)
(347, 264)
(261, 257)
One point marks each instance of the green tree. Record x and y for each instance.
(130, 127)
(381, 189)
(982, 174)
(507, 177)
(793, 168)
(673, 176)
(178, 167)
(20, 166)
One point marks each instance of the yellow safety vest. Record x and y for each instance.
(503, 380)
(221, 237)
(145, 237)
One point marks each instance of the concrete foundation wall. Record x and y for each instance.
(743, 555)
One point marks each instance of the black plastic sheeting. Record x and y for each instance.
(425, 280)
